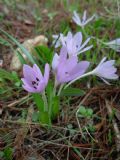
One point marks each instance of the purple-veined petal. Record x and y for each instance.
(37, 71)
(33, 80)
(29, 89)
(28, 72)
(26, 81)
(41, 86)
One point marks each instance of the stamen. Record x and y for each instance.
(33, 82)
(37, 79)
(35, 87)
(66, 72)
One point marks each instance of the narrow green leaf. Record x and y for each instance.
(39, 101)
(44, 53)
(49, 90)
(6, 75)
(24, 50)
(72, 92)
(44, 118)
(22, 60)
(4, 42)
(55, 107)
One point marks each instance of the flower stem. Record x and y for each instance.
(84, 75)
(84, 32)
(60, 89)
(45, 102)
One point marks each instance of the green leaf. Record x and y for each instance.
(49, 90)
(72, 92)
(82, 110)
(4, 42)
(44, 53)
(44, 118)
(24, 50)
(39, 101)
(55, 106)
(35, 116)
(6, 75)
(8, 153)
(22, 60)
(89, 112)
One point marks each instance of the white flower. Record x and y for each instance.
(82, 22)
(114, 44)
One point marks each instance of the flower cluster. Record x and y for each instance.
(66, 66)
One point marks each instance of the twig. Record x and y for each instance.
(115, 126)
(16, 102)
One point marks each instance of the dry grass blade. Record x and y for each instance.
(115, 126)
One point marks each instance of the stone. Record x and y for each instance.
(29, 45)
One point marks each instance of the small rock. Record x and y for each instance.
(29, 45)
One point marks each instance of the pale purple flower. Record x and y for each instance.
(81, 22)
(73, 43)
(33, 80)
(69, 68)
(106, 70)
(114, 44)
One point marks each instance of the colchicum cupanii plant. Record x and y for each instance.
(66, 68)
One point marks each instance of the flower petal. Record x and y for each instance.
(79, 69)
(84, 16)
(89, 19)
(84, 44)
(78, 39)
(55, 61)
(37, 71)
(106, 69)
(85, 49)
(28, 72)
(46, 74)
(76, 18)
(41, 86)
(29, 89)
